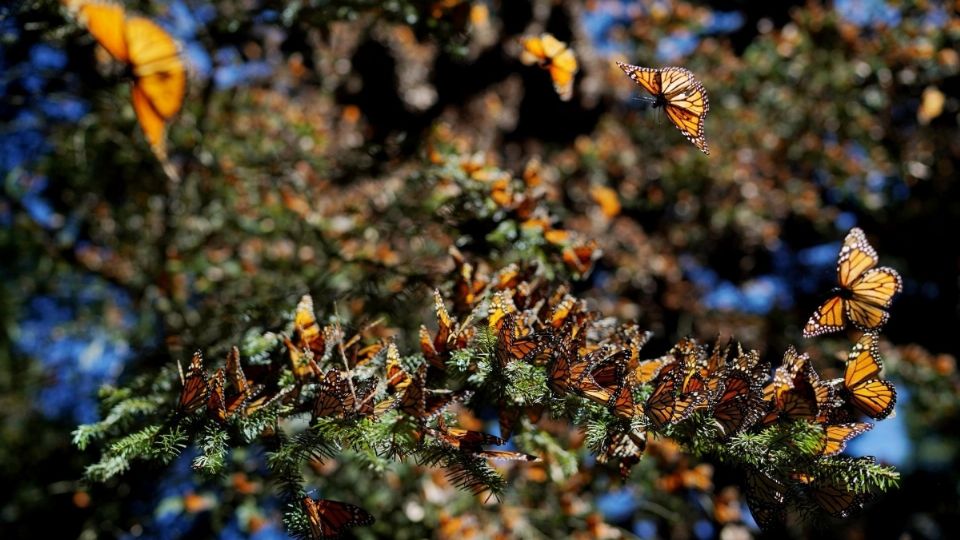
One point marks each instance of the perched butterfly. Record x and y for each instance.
(397, 379)
(450, 336)
(836, 500)
(864, 294)
(680, 94)
(309, 334)
(792, 394)
(556, 57)
(836, 437)
(331, 519)
(766, 497)
(220, 404)
(666, 405)
(740, 405)
(472, 442)
(151, 55)
(332, 395)
(623, 448)
(423, 404)
(193, 395)
(864, 389)
(513, 348)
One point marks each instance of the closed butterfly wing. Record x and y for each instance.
(309, 335)
(659, 407)
(332, 519)
(766, 498)
(193, 395)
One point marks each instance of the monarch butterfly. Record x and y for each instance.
(666, 405)
(331, 519)
(766, 498)
(500, 306)
(796, 391)
(836, 437)
(299, 364)
(837, 501)
(332, 395)
(680, 94)
(468, 285)
(152, 56)
(567, 367)
(511, 348)
(872, 396)
(605, 381)
(424, 406)
(580, 256)
(864, 293)
(397, 379)
(740, 404)
(554, 56)
(309, 335)
(472, 442)
(626, 448)
(193, 394)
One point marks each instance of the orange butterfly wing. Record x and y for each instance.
(104, 21)
(687, 104)
(837, 436)
(648, 78)
(872, 396)
(866, 291)
(556, 57)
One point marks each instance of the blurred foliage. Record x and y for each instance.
(342, 149)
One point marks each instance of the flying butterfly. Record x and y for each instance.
(871, 395)
(554, 56)
(864, 294)
(680, 94)
(331, 519)
(150, 54)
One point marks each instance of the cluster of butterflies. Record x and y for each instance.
(600, 361)
(151, 58)
(675, 89)
(539, 324)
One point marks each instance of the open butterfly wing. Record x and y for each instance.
(648, 78)
(157, 64)
(104, 21)
(687, 104)
(836, 437)
(856, 257)
(875, 398)
(829, 317)
(871, 294)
